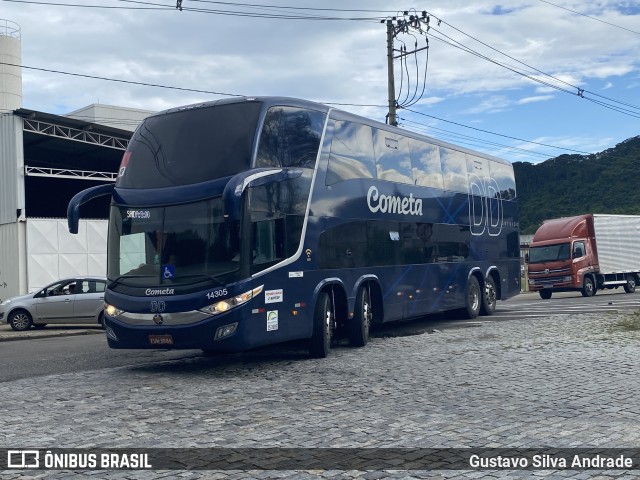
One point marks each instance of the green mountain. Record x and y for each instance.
(605, 182)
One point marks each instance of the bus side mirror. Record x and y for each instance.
(73, 210)
(232, 194)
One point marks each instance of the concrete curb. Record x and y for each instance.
(12, 335)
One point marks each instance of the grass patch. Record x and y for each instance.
(630, 323)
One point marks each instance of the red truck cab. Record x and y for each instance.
(563, 257)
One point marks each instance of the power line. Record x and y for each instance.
(579, 91)
(210, 92)
(498, 134)
(590, 17)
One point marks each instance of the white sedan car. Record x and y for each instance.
(73, 300)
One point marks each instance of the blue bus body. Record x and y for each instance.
(316, 223)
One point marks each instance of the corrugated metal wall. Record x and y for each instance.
(54, 253)
(11, 168)
(9, 261)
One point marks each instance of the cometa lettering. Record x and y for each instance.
(393, 204)
(158, 291)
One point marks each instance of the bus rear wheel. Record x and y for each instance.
(489, 297)
(473, 298)
(358, 327)
(320, 343)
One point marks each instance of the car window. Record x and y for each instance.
(90, 286)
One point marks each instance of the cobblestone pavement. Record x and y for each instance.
(556, 382)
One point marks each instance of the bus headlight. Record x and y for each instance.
(112, 311)
(232, 302)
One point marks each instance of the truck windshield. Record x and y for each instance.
(550, 253)
(179, 244)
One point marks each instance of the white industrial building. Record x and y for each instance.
(45, 159)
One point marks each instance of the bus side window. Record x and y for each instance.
(267, 246)
(425, 164)
(290, 137)
(351, 153)
(454, 170)
(392, 157)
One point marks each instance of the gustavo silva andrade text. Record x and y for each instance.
(544, 461)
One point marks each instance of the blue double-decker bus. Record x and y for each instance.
(240, 223)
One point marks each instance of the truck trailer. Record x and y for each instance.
(585, 253)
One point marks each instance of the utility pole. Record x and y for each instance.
(392, 118)
(419, 24)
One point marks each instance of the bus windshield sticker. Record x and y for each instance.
(394, 236)
(296, 274)
(273, 296)
(272, 320)
(139, 214)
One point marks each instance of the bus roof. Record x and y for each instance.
(335, 113)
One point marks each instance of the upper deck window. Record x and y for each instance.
(351, 153)
(290, 137)
(425, 163)
(392, 157)
(191, 146)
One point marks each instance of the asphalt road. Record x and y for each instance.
(33, 357)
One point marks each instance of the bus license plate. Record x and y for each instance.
(160, 339)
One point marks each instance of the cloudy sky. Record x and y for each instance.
(523, 79)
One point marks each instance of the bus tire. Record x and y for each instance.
(320, 343)
(358, 327)
(545, 294)
(489, 297)
(630, 286)
(473, 298)
(588, 287)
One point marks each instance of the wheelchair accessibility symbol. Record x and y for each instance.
(168, 271)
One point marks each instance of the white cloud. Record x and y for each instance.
(538, 98)
(343, 61)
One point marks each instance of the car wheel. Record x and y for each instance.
(20, 320)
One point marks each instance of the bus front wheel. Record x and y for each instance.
(320, 343)
(358, 327)
(474, 296)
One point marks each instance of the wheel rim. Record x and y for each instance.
(367, 314)
(588, 286)
(21, 321)
(631, 283)
(474, 298)
(327, 326)
(491, 294)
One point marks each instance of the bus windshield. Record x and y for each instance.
(178, 244)
(190, 146)
(549, 253)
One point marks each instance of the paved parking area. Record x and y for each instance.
(565, 382)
